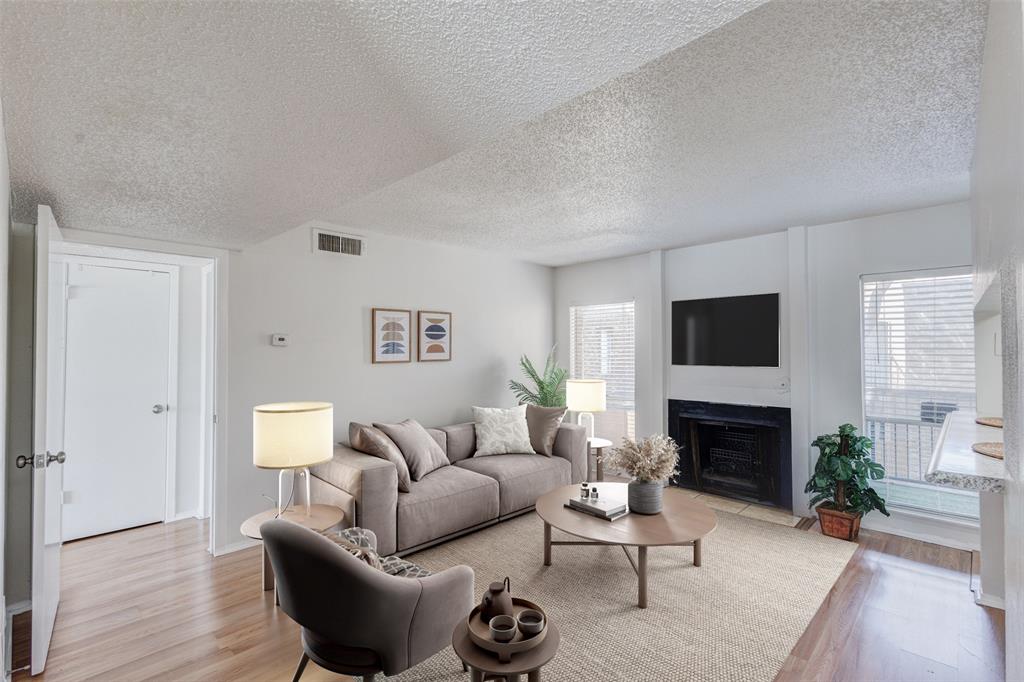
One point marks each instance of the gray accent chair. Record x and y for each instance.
(355, 619)
(471, 493)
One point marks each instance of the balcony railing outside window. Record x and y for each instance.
(918, 363)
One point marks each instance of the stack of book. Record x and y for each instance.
(609, 510)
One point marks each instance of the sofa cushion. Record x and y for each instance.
(543, 423)
(375, 442)
(445, 501)
(461, 441)
(521, 478)
(422, 452)
(501, 431)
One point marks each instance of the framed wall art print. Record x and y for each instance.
(392, 335)
(435, 336)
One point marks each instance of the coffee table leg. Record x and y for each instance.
(547, 544)
(533, 676)
(696, 552)
(641, 571)
(476, 675)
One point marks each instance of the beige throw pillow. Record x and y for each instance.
(375, 442)
(422, 453)
(500, 432)
(543, 423)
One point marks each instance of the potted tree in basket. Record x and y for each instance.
(650, 462)
(841, 484)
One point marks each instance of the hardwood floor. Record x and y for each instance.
(902, 611)
(150, 603)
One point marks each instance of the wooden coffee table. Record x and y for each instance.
(683, 521)
(484, 665)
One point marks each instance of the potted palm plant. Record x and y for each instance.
(841, 484)
(548, 386)
(650, 462)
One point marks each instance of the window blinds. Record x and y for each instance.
(918, 345)
(602, 345)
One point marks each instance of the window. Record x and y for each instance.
(602, 342)
(918, 364)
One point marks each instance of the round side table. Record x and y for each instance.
(597, 446)
(483, 665)
(320, 518)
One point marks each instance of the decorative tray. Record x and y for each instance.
(480, 632)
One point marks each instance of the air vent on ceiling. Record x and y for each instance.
(335, 242)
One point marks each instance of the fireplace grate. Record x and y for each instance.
(731, 462)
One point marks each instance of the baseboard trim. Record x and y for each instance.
(235, 547)
(957, 534)
(19, 607)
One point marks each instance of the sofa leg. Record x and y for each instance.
(302, 666)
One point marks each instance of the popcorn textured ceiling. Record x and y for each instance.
(228, 122)
(796, 113)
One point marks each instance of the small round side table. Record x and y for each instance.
(483, 665)
(320, 518)
(597, 446)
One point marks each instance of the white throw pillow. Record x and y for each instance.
(500, 431)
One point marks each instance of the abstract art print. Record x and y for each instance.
(435, 341)
(392, 335)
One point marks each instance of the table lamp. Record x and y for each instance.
(585, 397)
(292, 436)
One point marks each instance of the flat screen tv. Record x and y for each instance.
(736, 331)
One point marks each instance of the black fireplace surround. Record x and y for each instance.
(739, 451)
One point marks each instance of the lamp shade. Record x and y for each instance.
(290, 435)
(585, 395)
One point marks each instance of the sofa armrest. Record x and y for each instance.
(571, 444)
(446, 599)
(366, 487)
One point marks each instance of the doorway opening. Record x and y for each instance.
(134, 337)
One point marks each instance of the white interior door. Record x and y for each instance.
(47, 461)
(116, 397)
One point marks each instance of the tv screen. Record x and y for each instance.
(736, 331)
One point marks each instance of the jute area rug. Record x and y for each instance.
(735, 618)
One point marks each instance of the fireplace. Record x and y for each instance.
(738, 451)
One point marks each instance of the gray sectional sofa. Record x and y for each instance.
(470, 493)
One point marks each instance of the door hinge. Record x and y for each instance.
(214, 419)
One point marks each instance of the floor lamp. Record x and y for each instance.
(292, 436)
(585, 397)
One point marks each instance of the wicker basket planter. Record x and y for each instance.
(838, 524)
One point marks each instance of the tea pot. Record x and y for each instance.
(497, 601)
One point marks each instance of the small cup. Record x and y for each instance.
(503, 628)
(530, 621)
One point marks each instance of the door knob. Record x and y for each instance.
(21, 461)
(59, 458)
(157, 409)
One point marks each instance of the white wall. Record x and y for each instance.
(191, 346)
(838, 254)
(617, 280)
(757, 265)
(501, 309)
(816, 270)
(997, 208)
(5, 212)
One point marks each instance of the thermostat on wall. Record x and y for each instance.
(278, 339)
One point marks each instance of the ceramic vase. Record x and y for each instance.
(645, 496)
